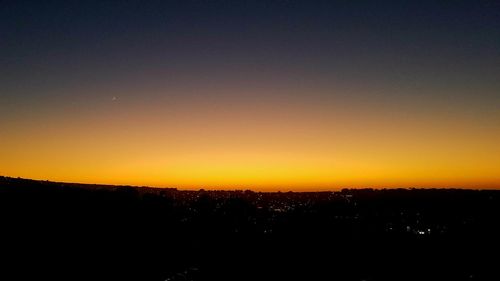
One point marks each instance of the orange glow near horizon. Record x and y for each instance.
(267, 144)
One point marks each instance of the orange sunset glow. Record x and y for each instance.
(262, 144)
(306, 102)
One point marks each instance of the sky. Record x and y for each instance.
(263, 95)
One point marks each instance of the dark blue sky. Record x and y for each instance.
(419, 37)
(404, 51)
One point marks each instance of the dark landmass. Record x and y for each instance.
(56, 231)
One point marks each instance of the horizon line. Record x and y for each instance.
(270, 190)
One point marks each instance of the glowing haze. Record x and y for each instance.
(283, 95)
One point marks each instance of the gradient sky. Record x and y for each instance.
(266, 95)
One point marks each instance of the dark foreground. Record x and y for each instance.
(52, 231)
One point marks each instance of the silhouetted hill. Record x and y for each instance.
(64, 231)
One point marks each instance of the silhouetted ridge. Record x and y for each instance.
(63, 231)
